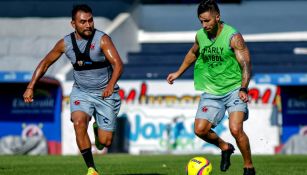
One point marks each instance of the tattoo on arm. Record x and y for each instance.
(239, 42)
(243, 58)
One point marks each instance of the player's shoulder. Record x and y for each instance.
(67, 38)
(200, 31)
(59, 46)
(199, 34)
(100, 33)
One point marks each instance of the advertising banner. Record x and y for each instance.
(294, 105)
(160, 119)
(39, 118)
(294, 111)
(14, 109)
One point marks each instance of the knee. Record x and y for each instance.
(107, 142)
(200, 132)
(236, 131)
(202, 127)
(79, 124)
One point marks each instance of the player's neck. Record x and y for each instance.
(213, 35)
(219, 28)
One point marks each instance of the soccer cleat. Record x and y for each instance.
(92, 171)
(225, 161)
(99, 146)
(249, 171)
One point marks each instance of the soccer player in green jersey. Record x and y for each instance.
(222, 71)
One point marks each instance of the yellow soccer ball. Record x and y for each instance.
(199, 166)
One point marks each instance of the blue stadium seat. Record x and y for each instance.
(157, 60)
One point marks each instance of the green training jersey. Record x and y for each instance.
(216, 70)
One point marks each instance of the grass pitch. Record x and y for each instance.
(124, 164)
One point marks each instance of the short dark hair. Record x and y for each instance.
(80, 7)
(207, 5)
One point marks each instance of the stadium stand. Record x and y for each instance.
(25, 39)
(167, 40)
(61, 8)
(156, 60)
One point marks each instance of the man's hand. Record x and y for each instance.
(108, 91)
(243, 96)
(172, 77)
(28, 95)
(188, 60)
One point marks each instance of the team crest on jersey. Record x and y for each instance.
(204, 109)
(77, 102)
(92, 46)
(80, 63)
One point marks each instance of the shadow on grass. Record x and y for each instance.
(5, 168)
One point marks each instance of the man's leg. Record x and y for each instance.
(81, 120)
(106, 110)
(236, 128)
(99, 146)
(203, 130)
(103, 130)
(105, 137)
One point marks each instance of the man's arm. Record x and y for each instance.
(243, 58)
(42, 67)
(190, 57)
(113, 57)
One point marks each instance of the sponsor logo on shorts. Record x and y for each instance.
(106, 120)
(204, 109)
(77, 102)
(236, 102)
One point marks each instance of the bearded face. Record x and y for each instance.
(83, 24)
